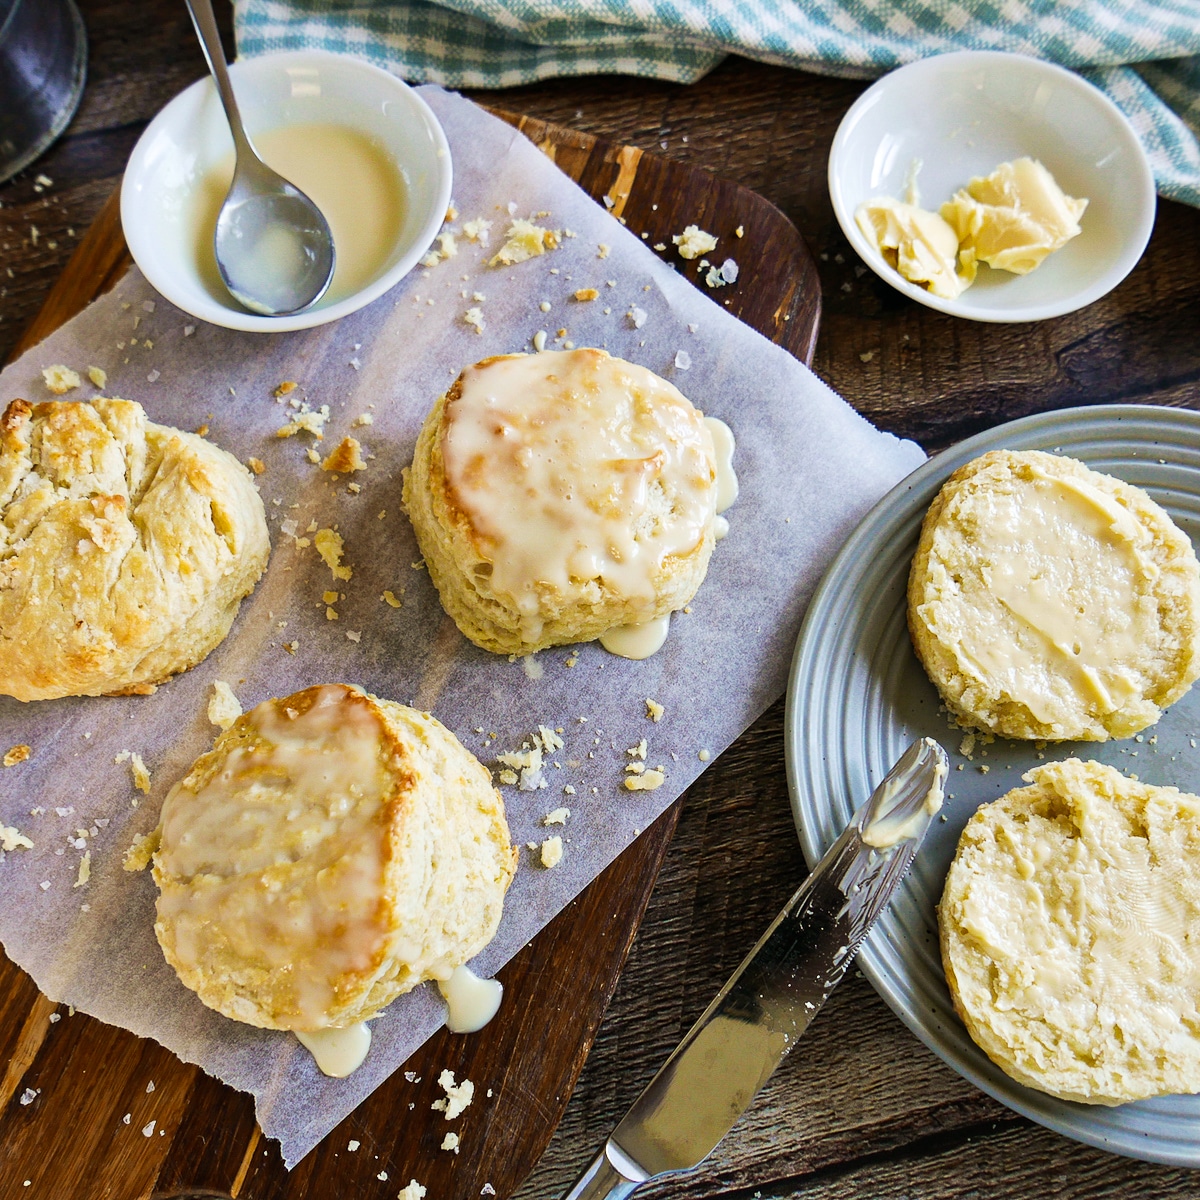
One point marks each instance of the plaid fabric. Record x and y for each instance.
(1144, 54)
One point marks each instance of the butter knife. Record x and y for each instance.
(757, 1017)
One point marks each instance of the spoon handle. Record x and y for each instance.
(210, 41)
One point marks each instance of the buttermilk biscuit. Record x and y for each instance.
(332, 851)
(1070, 934)
(1047, 600)
(557, 495)
(125, 548)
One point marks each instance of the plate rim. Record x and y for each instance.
(913, 493)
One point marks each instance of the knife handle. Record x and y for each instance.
(602, 1181)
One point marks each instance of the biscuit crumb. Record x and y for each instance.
(286, 388)
(346, 456)
(98, 376)
(693, 242)
(413, 1191)
(474, 318)
(60, 379)
(364, 419)
(524, 240)
(223, 706)
(141, 851)
(552, 852)
(389, 598)
(638, 751)
(557, 817)
(353, 1145)
(648, 781)
(12, 838)
(450, 1142)
(458, 1095)
(703, 755)
(585, 294)
(967, 746)
(256, 465)
(18, 754)
(306, 420)
(85, 869)
(529, 763)
(141, 776)
(602, 250)
(329, 546)
(477, 230)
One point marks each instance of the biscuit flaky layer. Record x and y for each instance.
(1050, 601)
(332, 851)
(125, 548)
(563, 607)
(1070, 934)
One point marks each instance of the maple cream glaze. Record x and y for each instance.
(574, 466)
(315, 789)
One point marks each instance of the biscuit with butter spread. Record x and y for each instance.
(1049, 601)
(1070, 934)
(332, 851)
(126, 548)
(558, 495)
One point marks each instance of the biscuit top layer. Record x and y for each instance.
(575, 466)
(309, 783)
(1068, 601)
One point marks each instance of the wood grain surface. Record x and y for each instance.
(523, 1066)
(862, 1109)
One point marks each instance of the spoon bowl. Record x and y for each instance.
(273, 247)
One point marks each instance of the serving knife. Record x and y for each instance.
(770, 1000)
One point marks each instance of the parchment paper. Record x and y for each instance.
(809, 468)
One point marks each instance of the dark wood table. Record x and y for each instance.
(862, 1109)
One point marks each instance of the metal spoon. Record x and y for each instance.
(273, 247)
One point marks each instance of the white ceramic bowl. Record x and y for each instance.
(191, 135)
(962, 115)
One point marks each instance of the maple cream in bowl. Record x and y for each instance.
(364, 146)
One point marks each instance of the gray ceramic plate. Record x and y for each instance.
(857, 697)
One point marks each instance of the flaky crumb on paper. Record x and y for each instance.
(389, 598)
(474, 317)
(137, 769)
(98, 376)
(458, 1095)
(17, 754)
(557, 817)
(477, 230)
(345, 457)
(654, 710)
(330, 547)
(648, 781)
(585, 294)
(552, 852)
(12, 838)
(85, 869)
(524, 240)
(306, 420)
(60, 379)
(141, 851)
(223, 706)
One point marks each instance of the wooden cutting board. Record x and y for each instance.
(74, 1140)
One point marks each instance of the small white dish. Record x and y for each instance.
(190, 136)
(963, 114)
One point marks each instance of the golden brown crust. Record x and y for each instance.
(126, 548)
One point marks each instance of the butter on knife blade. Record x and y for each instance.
(757, 1017)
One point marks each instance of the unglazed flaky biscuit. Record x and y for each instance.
(125, 548)
(332, 851)
(1047, 600)
(557, 495)
(1070, 934)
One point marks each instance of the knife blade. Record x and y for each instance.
(770, 1000)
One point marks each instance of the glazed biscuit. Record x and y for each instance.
(1050, 601)
(126, 548)
(558, 495)
(1070, 934)
(332, 851)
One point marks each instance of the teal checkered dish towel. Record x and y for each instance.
(1145, 54)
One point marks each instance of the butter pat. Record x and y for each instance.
(1014, 217)
(921, 245)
